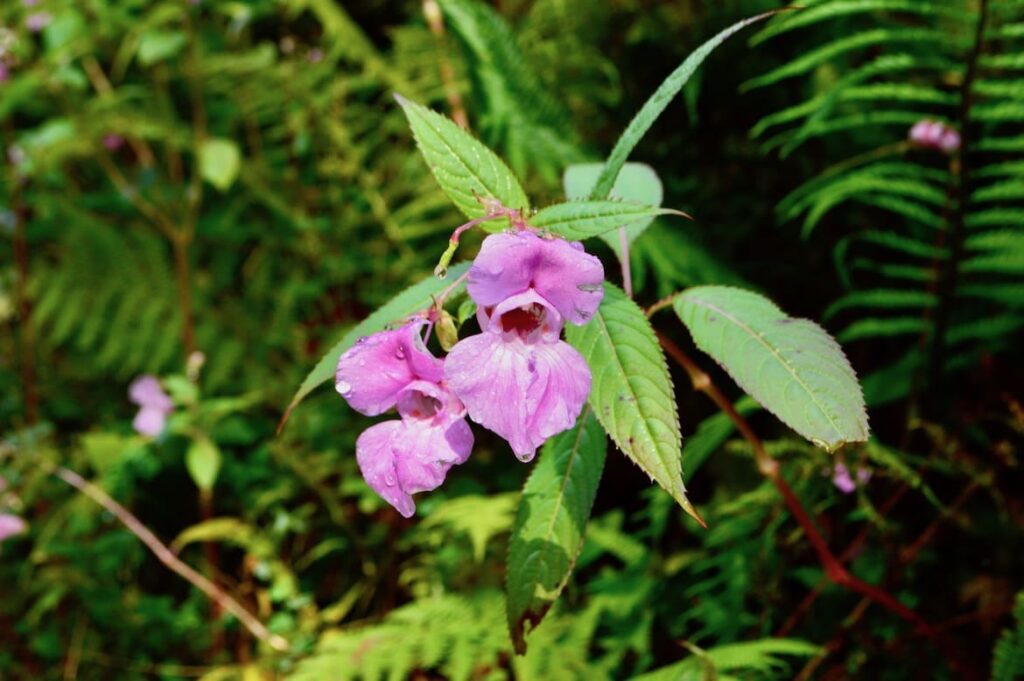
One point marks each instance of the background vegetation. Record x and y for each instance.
(214, 192)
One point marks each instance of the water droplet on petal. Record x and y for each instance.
(389, 480)
(400, 352)
(344, 388)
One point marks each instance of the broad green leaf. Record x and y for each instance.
(219, 162)
(583, 219)
(653, 107)
(548, 531)
(203, 462)
(792, 367)
(631, 393)
(413, 299)
(637, 182)
(466, 169)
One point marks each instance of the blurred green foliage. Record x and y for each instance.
(235, 179)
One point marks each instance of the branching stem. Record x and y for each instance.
(769, 468)
(167, 557)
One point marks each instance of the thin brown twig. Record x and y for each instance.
(770, 469)
(167, 557)
(435, 20)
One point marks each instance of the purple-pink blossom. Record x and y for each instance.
(845, 482)
(154, 405)
(399, 458)
(935, 135)
(10, 526)
(518, 378)
(37, 21)
(112, 141)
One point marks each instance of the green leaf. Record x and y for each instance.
(156, 46)
(637, 182)
(548, 531)
(653, 107)
(578, 220)
(413, 299)
(631, 392)
(219, 162)
(792, 367)
(203, 462)
(466, 169)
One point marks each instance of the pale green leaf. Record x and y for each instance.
(548, 531)
(413, 299)
(636, 182)
(156, 46)
(631, 392)
(466, 169)
(203, 462)
(219, 162)
(792, 367)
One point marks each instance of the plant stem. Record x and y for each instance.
(627, 275)
(167, 557)
(958, 226)
(180, 244)
(435, 20)
(769, 468)
(26, 332)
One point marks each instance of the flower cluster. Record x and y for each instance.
(935, 135)
(516, 377)
(154, 405)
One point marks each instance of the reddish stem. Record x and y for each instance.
(770, 469)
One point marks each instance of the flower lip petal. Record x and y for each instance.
(524, 392)
(401, 458)
(373, 373)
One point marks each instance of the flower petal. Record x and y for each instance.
(524, 392)
(11, 525)
(150, 421)
(560, 271)
(400, 458)
(146, 391)
(373, 373)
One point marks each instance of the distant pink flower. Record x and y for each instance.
(935, 135)
(154, 405)
(113, 141)
(29, 3)
(518, 378)
(10, 526)
(315, 56)
(37, 21)
(844, 482)
(5, 73)
(399, 458)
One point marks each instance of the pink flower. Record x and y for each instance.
(11, 525)
(399, 458)
(935, 135)
(112, 141)
(154, 405)
(844, 482)
(517, 378)
(37, 21)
